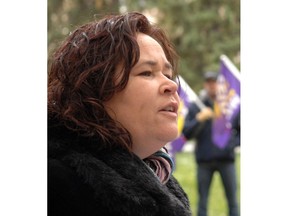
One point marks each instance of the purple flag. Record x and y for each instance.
(227, 103)
(187, 95)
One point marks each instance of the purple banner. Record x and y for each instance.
(187, 95)
(227, 103)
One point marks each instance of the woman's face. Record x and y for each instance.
(148, 105)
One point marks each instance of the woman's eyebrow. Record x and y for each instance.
(154, 63)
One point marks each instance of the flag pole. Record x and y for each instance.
(190, 92)
(234, 70)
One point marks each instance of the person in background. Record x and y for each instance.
(112, 107)
(209, 157)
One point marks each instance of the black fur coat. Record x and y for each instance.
(86, 181)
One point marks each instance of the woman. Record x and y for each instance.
(112, 107)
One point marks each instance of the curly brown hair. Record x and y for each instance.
(82, 73)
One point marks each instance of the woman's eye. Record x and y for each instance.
(146, 73)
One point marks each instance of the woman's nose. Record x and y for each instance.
(169, 87)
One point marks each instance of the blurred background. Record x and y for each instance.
(200, 30)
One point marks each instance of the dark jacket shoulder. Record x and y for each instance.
(85, 180)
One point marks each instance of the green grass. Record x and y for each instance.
(186, 175)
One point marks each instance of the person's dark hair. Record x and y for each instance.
(82, 74)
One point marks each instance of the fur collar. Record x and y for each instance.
(121, 182)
